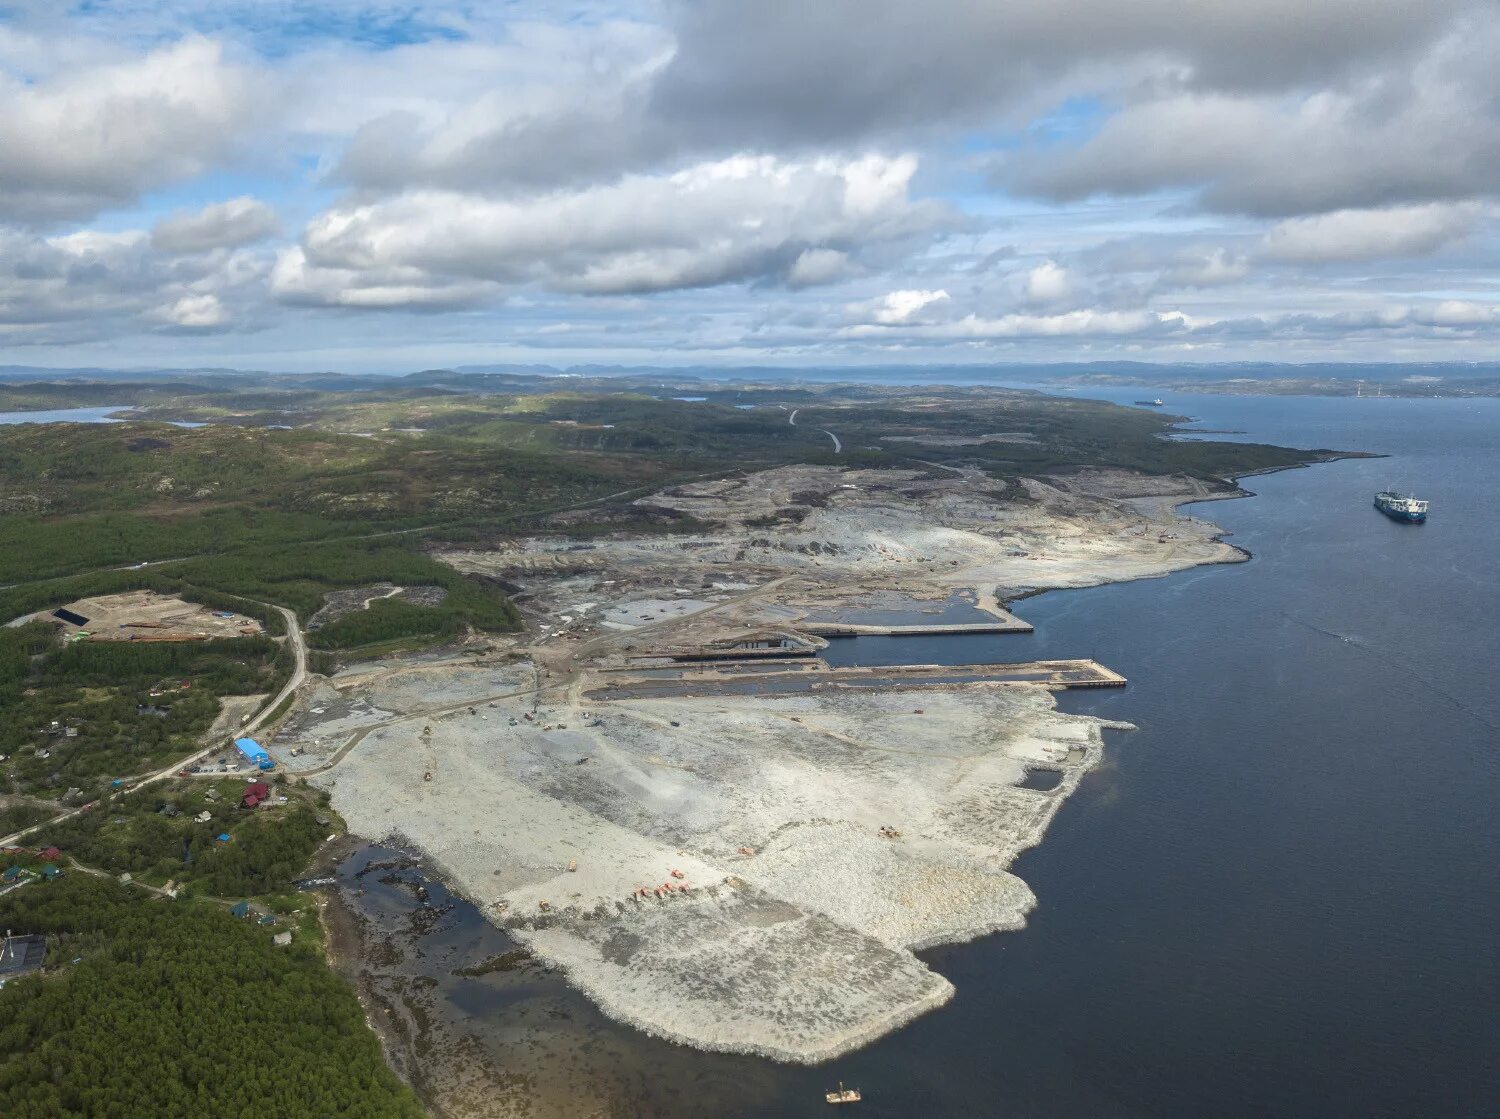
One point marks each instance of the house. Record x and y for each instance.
(49, 853)
(240, 909)
(73, 619)
(204, 817)
(254, 794)
(12, 873)
(267, 921)
(168, 810)
(49, 872)
(224, 837)
(282, 939)
(20, 954)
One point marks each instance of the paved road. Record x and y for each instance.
(299, 674)
(838, 448)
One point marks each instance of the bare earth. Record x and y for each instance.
(730, 870)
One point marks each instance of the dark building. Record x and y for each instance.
(71, 618)
(20, 954)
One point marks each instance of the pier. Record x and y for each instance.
(921, 629)
(816, 677)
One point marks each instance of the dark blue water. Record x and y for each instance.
(1279, 896)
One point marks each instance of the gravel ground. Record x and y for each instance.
(799, 950)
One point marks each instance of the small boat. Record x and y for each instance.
(843, 1095)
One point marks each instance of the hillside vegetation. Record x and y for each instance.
(176, 1010)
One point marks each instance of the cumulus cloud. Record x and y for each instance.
(80, 140)
(1048, 282)
(88, 284)
(296, 281)
(903, 306)
(194, 312)
(223, 225)
(788, 70)
(550, 105)
(1346, 236)
(715, 174)
(546, 106)
(1388, 136)
(746, 218)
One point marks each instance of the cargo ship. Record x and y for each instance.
(1157, 403)
(1400, 506)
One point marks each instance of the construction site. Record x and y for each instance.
(148, 616)
(663, 788)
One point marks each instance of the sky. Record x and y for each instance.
(386, 186)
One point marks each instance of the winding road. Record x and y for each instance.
(838, 448)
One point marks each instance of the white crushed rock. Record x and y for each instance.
(800, 950)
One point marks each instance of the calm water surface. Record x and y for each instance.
(101, 415)
(1278, 897)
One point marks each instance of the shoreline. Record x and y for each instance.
(575, 941)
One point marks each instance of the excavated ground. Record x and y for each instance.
(840, 537)
(790, 930)
(750, 872)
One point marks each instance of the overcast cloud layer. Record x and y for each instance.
(304, 184)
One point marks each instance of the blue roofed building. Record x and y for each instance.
(254, 753)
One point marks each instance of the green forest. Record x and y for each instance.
(176, 1010)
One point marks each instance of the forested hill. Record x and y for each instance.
(175, 1010)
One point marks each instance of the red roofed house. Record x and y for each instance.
(49, 853)
(255, 793)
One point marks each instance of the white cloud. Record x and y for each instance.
(295, 281)
(1048, 282)
(662, 177)
(1346, 236)
(194, 312)
(1382, 136)
(238, 221)
(88, 284)
(902, 306)
(745, 218)
(79, 141)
